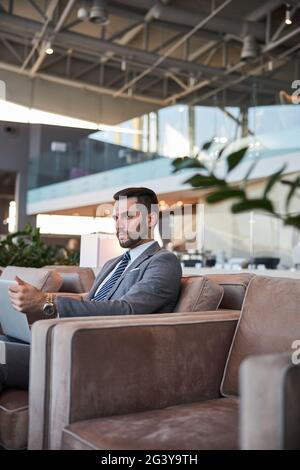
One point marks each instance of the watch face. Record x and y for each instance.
(49, 309)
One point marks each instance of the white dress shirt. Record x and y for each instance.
(134, 253)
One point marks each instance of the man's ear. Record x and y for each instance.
(153, 219)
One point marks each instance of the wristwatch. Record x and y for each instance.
(49, 307)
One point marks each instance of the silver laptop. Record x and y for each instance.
(13, 323)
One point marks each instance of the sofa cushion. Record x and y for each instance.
(75, 278)
(235, 286)
(44, 279)
(211, 424)
(269, 323)
(13, 419)
(198, 294)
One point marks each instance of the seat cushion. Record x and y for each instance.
(44, 279)
(13, 419)
(269, 323)
(235, 286)
(211, 424)
(198, 294)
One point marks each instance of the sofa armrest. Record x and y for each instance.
(34, 317)
(270, 406)
(123, 365)
(73, 295)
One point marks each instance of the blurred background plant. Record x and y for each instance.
(221, 189)
(26, 248)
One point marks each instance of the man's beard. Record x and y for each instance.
(133, 242)
(130, 243)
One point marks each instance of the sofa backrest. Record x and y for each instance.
(269, 323)
(235, 286)
(198, 294)
(75, 279)
(41, 278)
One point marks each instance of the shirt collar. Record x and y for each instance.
(138, 250)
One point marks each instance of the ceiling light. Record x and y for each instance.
(48, 48)
(123, 65)
(98, 12)
(192, 80)
(82, 14)
(288, 14)
(250, 50)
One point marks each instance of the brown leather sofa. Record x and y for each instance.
(175, 383)
(43, 333)
(42, 431)
(14, 403)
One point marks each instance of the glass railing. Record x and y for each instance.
(83, 158)
(271, 131)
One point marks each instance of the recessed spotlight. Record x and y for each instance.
(288, 19)
(123, 65)
(48, 48)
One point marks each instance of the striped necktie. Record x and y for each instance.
(104, 290)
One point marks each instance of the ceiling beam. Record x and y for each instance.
(42, 54)
(41, 33)
(102, 90)
(12, 50)
(38, 9)
(175, 46)
(283, 24)
(177, 16)
(266, 7)
(98, 46)
(250, 73)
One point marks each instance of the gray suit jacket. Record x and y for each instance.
(150, 284)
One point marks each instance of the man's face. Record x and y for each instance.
(132, 222)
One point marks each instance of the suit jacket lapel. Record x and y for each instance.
(102, 275)
(150, 251)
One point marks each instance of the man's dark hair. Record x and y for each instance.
(144, 196)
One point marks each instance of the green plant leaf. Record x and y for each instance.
(249, 171)
(293, 186)
(252, 204)
(25, 248)
(293, 220)
(205, 181)
(222, 195)
(187, 162)
(220, 152)
(235, 158)
(207, 145)
(273, 179)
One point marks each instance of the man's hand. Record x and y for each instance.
(26, 298)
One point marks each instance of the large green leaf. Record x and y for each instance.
(205, 181)
(187, 162)
(253, 204)
(223, 194)
(249, 171)
(273, 179)
(235, 158)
